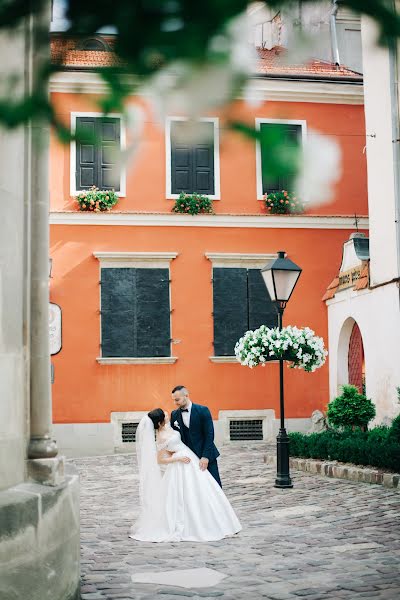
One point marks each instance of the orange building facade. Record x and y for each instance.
(99, 393)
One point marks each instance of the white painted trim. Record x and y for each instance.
(137, 260)
(217, 179)
(258, 89)
(259, 121)
(117, 419)
(153, 360)
(72, 160)
(234, 260)
(267, 416)
(114, 218)
(292, 90)
(224, 359)
(348, 295)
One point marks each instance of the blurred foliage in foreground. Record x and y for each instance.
(152, 36)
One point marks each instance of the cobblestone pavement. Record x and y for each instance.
(325, 538)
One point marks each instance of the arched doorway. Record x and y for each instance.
(356, 362)
(350, 357)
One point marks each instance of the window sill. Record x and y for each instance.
(74, 193)
(153, 360)
(176, 196)
(223, 359)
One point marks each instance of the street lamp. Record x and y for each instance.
(280, 276)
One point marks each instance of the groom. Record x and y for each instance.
(194, 422)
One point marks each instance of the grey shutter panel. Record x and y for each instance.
(261, 310)
(289, 135)
(181, 169)
(135, 312)
(192, 167)
(153, 331)
(181, 162)
(86, 153)
(118, 331)
(109, 172)
(230, 309)
(203, 162)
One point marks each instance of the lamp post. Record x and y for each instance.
(280, 277)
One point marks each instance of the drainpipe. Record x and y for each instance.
(334, 41)
(40, 445)
(394, 98)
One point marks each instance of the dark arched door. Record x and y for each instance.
(356, 359)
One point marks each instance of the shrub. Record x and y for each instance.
(96, 200)
(394, 431)
(351, 409)
(373, 448)
(193, 204)
(283, 203)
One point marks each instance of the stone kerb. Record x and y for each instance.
(349, 472)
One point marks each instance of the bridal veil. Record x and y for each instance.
(150, 477)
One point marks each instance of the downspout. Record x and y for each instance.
(334, 41)
(394, 102)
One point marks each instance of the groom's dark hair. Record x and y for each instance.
(178, 388)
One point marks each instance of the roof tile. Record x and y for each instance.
(67, 52)
(275, 61)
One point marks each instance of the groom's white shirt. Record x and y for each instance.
(186, 415)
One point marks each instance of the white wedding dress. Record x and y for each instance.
(182, 504)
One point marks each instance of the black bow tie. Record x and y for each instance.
(184, 409)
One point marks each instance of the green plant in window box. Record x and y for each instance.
(193, 204)
(283, 203)
(96, 200)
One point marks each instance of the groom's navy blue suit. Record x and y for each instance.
(199, 436)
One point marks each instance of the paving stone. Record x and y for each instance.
(176, 592)
(325, 538)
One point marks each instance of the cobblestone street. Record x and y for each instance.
(325, 538)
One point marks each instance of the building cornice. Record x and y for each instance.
(237, 221)
(258, 88)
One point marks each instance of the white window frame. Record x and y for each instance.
(99, 115)
(303, 123)
(136, 260)
(217, 183)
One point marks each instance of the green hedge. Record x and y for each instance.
(378, 447)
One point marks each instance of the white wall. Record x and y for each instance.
(13, 392)
(378, 316)
(381, 198)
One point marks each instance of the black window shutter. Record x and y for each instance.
(153, 330)
(261, 310)
(118, 312)
(181, 162)
(287, 134)
(109, 132)
(86, 153)
(135, 312)
(98, 153)
(230, 308)
(203, 162)
(192, 167)
(181, 169)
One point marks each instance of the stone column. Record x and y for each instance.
(41, 445)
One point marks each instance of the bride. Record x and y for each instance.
(178, 501)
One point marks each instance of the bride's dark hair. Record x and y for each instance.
(157, 416)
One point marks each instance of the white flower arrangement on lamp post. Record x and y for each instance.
(301, 348)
